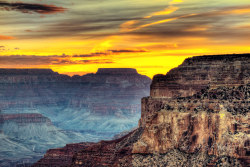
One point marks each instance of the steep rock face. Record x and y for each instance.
(207, 126)
(193, 125)
(198, 72)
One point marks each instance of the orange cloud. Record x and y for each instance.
(198, 28)
(128, 26)
(3, 37)
(166, 11)
(240, 11)
(159, 22)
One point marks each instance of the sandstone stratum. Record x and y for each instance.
(196, 115)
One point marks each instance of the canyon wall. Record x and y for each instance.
(197, 115)
(41, 109)
(197, 73)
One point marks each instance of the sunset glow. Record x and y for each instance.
(78, 37)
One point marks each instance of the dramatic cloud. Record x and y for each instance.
(111, 52)
(128, 33)
(47, 60)
(211, 24)
(127, 26)
(31, 8)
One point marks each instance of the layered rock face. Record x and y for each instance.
(216, 126)
(198, 72)
(207, 126)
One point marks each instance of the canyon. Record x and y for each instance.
(41, 109)
(196, 115)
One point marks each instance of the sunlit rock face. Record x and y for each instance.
(203, 127)
(196, 125)
(41, 109)
(198, 72)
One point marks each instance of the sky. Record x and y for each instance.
(79, 36)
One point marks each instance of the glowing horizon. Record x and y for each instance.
(72, 37)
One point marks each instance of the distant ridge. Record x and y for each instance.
(47, 71)
(116, 71)
(33, 71)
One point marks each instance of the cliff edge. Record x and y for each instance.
(196, 115)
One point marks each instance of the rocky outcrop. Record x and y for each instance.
(196, 124)
(63, 156)
(197, 73)
(203, 125)
(104, 153)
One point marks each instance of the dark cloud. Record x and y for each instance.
(127, 51)
(103, 61)
(91, 55)
(110, 52)
(85, 55)
(31, 8)
(27, 60)
(83, 22)
(47, 60)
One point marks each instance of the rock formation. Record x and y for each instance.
(42, 109)
(197, 115)
(197, 73)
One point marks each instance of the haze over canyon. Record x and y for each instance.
(41, 109)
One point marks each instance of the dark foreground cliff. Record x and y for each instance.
(181, 124)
